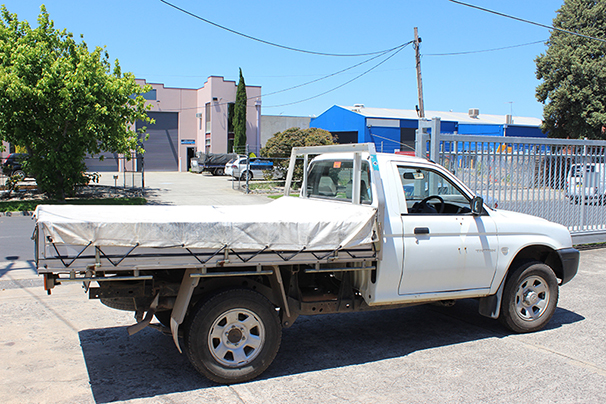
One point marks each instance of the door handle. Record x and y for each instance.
(421, 230)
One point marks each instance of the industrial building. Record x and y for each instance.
(188, 121)
(394, 129)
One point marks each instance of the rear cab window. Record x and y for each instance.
(333, 179)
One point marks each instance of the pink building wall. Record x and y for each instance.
(191, 107)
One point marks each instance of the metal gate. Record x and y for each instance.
(561, 180)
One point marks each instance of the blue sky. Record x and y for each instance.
(163, 45)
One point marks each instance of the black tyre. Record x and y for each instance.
(530, 298)
(127, 303)
(219, 171)
(233, 336)
(246, 174)
(119, 303)
(20, 174)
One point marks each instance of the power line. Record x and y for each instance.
(342, 85)
(273, 43)
(485, 50)
(527, 21)
(310, 82)
(334, 74)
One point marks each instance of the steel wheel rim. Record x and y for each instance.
(236, 338)
(532, 298)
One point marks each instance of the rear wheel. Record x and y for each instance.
(246, 174)
(19, 173)
(530, 298)
(234, 336)
(219, 171)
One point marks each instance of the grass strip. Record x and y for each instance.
(28, 205)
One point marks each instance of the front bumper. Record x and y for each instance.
(570, 263)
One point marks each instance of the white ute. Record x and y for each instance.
(368, 231)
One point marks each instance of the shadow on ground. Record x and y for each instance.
(148, 364)
(153, 196)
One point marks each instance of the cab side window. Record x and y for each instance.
(429, 192)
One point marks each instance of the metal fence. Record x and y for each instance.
(116, 171)
(563, 181)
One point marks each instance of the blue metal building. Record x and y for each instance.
(394, 129)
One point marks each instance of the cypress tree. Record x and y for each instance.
(240, 116)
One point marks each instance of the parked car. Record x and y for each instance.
(229, 166)
(12, 165)
(586, 181)
(257, 166)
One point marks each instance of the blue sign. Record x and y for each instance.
(188, 141)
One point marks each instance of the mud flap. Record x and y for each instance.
(188, 284)
(490, 306)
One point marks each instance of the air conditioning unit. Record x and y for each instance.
(474, 113)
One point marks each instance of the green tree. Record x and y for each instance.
(280, 145)
(59, 101)
(573, 73)
(240, 115)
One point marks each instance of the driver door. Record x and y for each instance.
(446, 248)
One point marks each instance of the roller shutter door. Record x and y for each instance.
(161, 147)
(109, 163)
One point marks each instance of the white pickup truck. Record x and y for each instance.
(368, 231)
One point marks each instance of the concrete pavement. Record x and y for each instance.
(175, 188)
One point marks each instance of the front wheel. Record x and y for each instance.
(234, 336)
(530, 298)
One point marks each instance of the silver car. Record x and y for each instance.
(255, 168)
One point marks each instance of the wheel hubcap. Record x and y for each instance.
(532, 298)
(236, 337)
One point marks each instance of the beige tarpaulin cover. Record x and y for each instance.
(288, 223)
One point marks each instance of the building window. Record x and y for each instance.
(207, 143)
(230, 126)
(149, 96)
(207, 114)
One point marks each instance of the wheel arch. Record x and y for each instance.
(490, 306)
(540, 253)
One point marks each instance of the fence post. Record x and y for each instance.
(584, 188)
(434, 148)
(421, 136)
(247, 168)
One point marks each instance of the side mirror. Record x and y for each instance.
(477, 205)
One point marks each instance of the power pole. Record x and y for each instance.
(421, 107)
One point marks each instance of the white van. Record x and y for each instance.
(586, 181)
